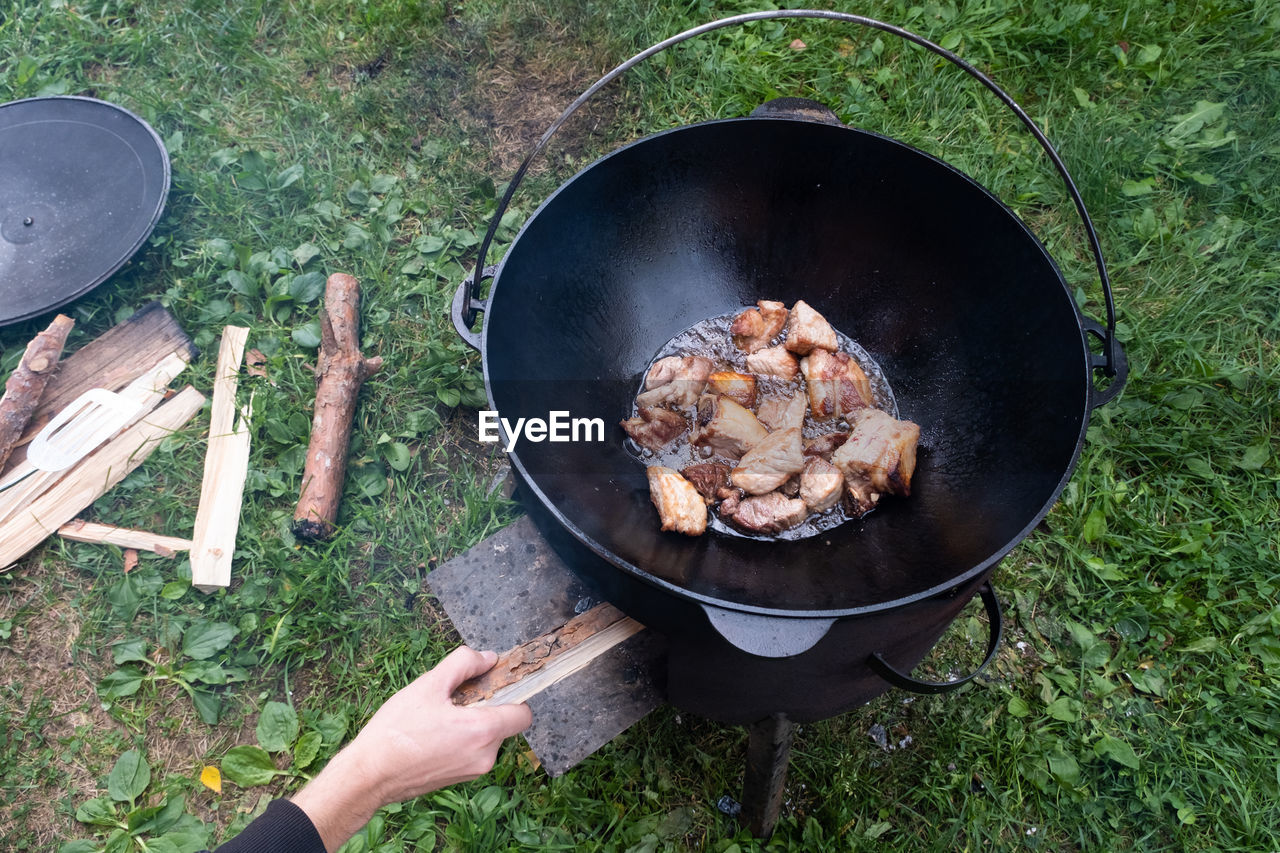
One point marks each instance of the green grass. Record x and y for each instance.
(1134, 705)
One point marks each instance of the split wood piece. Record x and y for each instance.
(226, 465)
(24, 482)
(123, 537)
(340, 371)
(23, 390)
(526, 670)
(112, 361)
(92, 477)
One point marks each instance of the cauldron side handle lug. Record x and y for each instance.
(767, 636)
(1117, 368)
(904, 681)
(467, 306)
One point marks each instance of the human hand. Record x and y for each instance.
(417, 741)
(420, 741)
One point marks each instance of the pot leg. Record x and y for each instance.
(768, 754)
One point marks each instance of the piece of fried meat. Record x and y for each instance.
(808, 330)
(754, 328)
(654, 428)
(725, 427)
(675, 381)
(879, 458)
(837, 386)
(679, 504)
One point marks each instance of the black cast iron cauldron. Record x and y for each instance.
(948, 290)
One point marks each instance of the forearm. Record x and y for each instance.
(418, 741)
(340, 800)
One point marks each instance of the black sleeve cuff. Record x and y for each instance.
(282, 828)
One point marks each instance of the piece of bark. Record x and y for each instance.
(123, 537)
(531, 667)
(112, 360)
(93, 476)
(23, 390)
(340, 371)
(226, 466)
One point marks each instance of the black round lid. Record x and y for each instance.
(82, 184)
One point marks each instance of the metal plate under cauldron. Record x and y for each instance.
(82, 184)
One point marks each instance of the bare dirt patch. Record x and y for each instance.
(504, 87)
(517, 101)
(47, 684)
(61, 741)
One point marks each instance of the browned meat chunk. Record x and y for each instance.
(770, 463)
(771, 513)
(675, 381)
(655, 428)
(662, 371)
(725, 427)
(791, 488)
(708, 478)
(738, 387)
(782, 412)
(837, 386)
(807, 330)
(679, 504)
(879, 458)
(859, 499)
(824, 445)
(774, 361)
(674, 367)
(754, 328)
(820, 484)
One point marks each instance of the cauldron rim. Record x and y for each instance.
(530, 482)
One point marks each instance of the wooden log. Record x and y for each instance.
(112, 361)
(340, 371)
(25, 387)
(531, 667)
(108, 534)
(93, 476)
(226, 465)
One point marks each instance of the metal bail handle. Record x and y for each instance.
(1110, 359)
(995, 616)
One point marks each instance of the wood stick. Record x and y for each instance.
(23, 390)
(226, 465)
(93, 476)
(113, 360)
(340, 371)
(24, 481)
(108, 534)
(529, 668)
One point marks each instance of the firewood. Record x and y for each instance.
(23, 482)
(113, 360)
(23, 390)
(531, 667)
(93, 476)
(226, 466)
(340, 371)
(108, 534)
